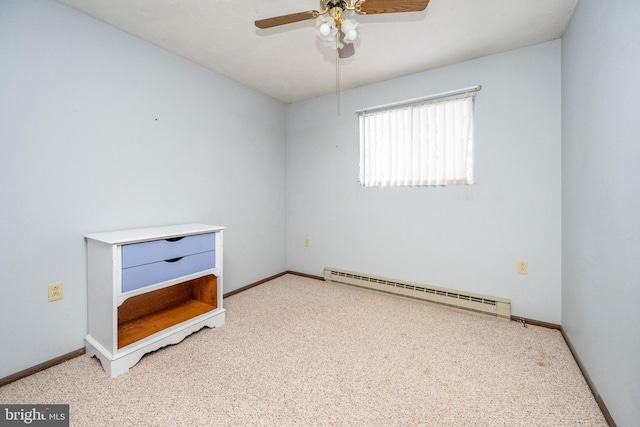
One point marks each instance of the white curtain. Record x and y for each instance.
(420, 145)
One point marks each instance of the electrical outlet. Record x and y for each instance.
(523, 267)
(55, 291)
(307, 242)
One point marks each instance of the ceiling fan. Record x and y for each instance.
(331, 25)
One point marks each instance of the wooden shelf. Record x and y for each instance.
(144, 315)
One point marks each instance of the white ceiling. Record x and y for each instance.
(290, 63)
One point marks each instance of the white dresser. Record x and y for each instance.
(151, 287)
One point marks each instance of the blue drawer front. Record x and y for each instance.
(157, 272)
(160, 250)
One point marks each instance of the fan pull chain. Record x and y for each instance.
(337, 73)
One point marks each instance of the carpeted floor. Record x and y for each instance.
(302, 352)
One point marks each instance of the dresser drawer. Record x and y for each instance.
(159, 250)
(157, 272)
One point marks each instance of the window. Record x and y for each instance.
(425, 144)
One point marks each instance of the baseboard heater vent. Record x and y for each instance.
(500, 307)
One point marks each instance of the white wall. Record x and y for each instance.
(466, 237)
(601, 199)
(101, 131)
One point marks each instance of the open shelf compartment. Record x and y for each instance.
(144, 315)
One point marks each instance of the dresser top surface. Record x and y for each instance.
(154, 233)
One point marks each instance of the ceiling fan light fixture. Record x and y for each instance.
(332, 27)
(350, 36)
(326, 30)
(350, 30)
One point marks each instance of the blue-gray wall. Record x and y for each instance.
(101, 131)
(462, 237)
(601, 199)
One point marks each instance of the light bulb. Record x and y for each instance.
(325, 29)
(351, 35)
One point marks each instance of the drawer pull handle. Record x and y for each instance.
(173, 259)
(174, 239)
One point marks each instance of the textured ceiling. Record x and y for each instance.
(290, 63)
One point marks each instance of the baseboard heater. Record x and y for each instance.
(500, 307)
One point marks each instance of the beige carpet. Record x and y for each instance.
(302, 352)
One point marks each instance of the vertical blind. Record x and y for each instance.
(420, 145)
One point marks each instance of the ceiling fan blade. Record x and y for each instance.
(370, 7)
(285, 19)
